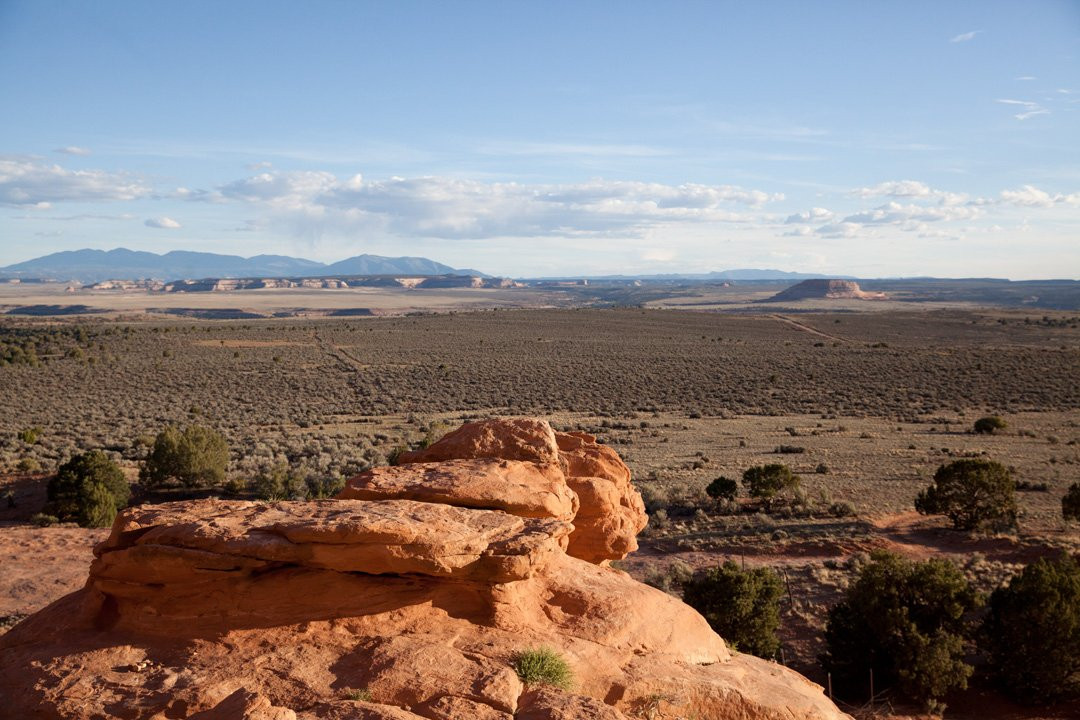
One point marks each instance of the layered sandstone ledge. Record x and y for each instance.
(418, 585)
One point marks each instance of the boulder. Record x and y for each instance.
(526, 439)
(610, 512)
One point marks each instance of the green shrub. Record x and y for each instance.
(906, 622)
(31, 435)
(842, 509)
(280, 483)
(44, 520)
(196, 457)
(1032, 631)
(319, 487)
(971, 493)
(28, 465)
(989, 425)
(722, 488)
(1070, 503)
(88, 489)
(765, 482)
(543, 666)
(742, 606)
(358, 694)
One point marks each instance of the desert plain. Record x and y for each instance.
(864, 400)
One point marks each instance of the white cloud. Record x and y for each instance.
(28, 182)
(893, 213)
(163, 223)
(1027, 78)
(910, 189)
(896, 188)
(964, 37)
(453, 208)
(812, 215)
(1032, 197)
(1031, 109)
(72, 150)
(840, 230)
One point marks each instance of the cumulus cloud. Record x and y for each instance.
(812, 215)
(1032, 197)
(840, 230)
(910, 189)
(895, 213)
(455, 208)
(163, 223)
(28, 182)
(964, 37)
(72, 150)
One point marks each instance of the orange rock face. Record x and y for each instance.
(513, 439)
(408, 598)
(516, 487)
(610, 512)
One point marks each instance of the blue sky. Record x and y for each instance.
(872, 139)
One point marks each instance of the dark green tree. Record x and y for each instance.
(88, 489)
(1070, 504)
(1032, 631)
(194, 457)
(722, 488)
(972, 493)
(742, 606)
(765, 482)
(906, 622)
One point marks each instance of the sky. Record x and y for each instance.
(875, 139)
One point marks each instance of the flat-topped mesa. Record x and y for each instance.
(611, 512)
(823, 289)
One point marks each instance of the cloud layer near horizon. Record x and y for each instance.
(450, 208)
(657, 217)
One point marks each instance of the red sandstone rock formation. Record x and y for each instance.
(418, 590)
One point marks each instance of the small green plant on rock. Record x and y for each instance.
(358, 694)
(543, 666)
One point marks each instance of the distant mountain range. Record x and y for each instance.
(91, 266)
(742, 274)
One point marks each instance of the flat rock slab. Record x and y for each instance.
(517, 487)
(180, 541)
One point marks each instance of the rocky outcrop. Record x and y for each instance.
(817, 289)
(611, 512)
(407, 598)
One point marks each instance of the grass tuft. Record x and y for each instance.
(543, 666)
